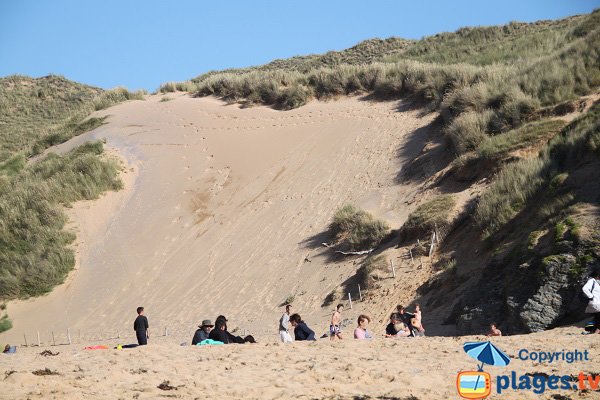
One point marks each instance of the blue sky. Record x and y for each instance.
(143, 43)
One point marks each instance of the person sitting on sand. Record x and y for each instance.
(231, 337)
(203, 332)
(416, 321)
(301, 330)
(396, 328)
(220, 333)
(406, 317)
(361, 331)
(494, 331)
(336, 319)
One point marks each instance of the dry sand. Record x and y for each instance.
(221, 207)
(425, 368)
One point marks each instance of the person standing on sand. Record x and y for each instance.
(336, 319)
(592, 291)
(141, 328)
(284, 325)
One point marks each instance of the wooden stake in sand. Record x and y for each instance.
(69, 335)
(359, 293)
(39, 342)
(432, 243)
(25, 337)
(412, 260)
(350, 300)
(53, 341)
(393, 269)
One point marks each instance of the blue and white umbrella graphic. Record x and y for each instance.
(486, 353)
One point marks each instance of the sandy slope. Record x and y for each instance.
(384, 368)
(221, 207)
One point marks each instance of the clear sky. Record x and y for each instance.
(143, 43)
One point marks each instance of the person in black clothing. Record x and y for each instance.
(231, 337)
(406, 318)
(220, 332)
(301, 330)
(140, 326)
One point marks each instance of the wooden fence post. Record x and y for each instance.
(25, 337)
(69, 335)
(359, 293)
(350, 299)
(39, 342)
(393, 269)
(53, 341)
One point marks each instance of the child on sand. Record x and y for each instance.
(336, 319)
(361, 331)
(416, 321)
(494, 331)
(141, 328)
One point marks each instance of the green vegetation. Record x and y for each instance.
(426, 217)
(38, 113)
(501, 145)
(533, 239)
(485, 80)
(34, 255)
(357, 229)
(520, 181)
(370, 270)
(5, 323)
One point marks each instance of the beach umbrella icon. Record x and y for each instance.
(486, 353)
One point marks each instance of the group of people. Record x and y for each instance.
(206, 333)
(218, 333)
(402, 324)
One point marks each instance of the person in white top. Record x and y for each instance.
(284, 324)
(592, 290)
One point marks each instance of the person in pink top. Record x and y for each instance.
(361, 331)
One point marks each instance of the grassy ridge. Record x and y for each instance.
(34, 255)
(489, 83)
(38, 113)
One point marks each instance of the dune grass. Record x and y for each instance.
(517, 184)
(356, 229)
(38, 113)
(429, 215)
(34, 252)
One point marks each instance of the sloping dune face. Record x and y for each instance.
(222, 206)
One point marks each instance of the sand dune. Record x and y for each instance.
(220, 209)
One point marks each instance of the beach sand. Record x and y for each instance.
(425, 368)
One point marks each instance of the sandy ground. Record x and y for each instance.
(222, 210)
(425, 368)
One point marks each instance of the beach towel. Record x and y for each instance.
(209, 341)
(98, 347)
